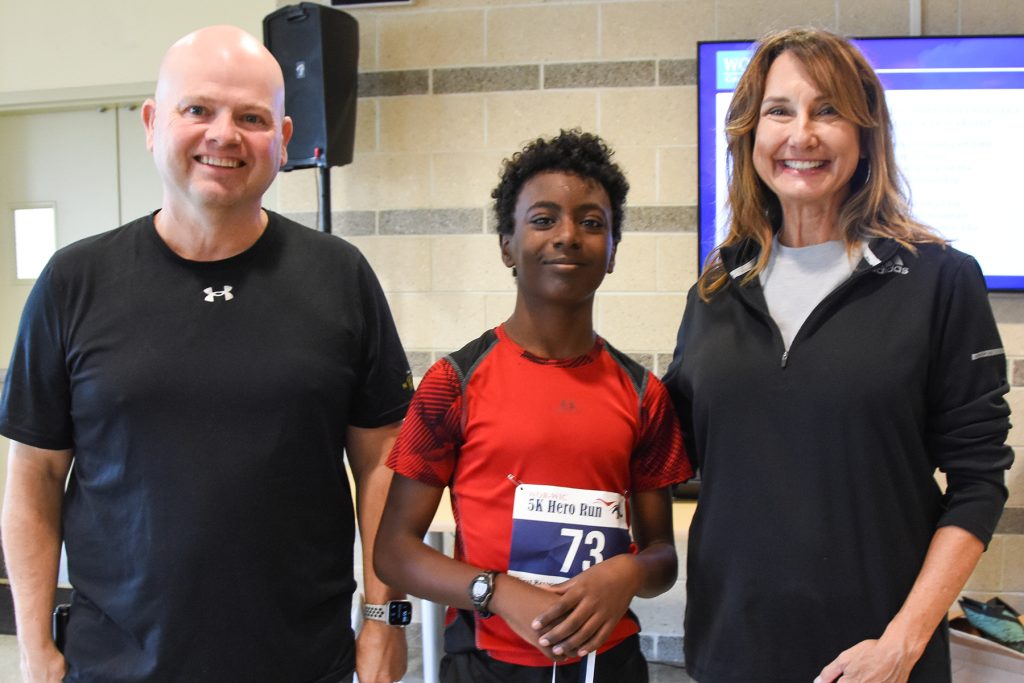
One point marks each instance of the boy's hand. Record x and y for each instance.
(518, 602)
(589, 607)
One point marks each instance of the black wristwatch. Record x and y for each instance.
(481, 589)
(393, 612)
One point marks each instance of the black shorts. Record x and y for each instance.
(624, 663)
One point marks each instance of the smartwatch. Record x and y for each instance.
(393, 612)
(481, 589)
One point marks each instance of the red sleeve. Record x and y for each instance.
(660, 458)
(431, 435)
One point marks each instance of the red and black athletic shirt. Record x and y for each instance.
(492, 415)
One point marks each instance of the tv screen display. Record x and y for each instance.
(957, 106)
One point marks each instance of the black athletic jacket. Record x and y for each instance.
(818, 499)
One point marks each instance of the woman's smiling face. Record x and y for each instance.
(804, 150)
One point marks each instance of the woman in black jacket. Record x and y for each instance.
(834, 354)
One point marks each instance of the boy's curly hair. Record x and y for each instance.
(571, 151)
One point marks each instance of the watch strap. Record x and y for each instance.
(397, 613)
(375, 612)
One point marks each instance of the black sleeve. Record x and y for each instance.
(678, 389)
(968, 416)
(35, 408)
(385, 382)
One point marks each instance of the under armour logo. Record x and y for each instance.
(225, 294)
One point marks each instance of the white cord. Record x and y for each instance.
(588, 671)
(589, 676)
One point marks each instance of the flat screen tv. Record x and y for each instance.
(957, 105)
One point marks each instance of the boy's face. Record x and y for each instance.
(562, 243)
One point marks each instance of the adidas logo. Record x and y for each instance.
(893, 265)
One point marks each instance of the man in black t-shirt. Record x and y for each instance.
(204, 368)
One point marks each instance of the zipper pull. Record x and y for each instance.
(785, 358)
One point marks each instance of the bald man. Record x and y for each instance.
(204, 368)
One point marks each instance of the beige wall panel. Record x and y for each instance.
(366, 126)
(382, 181)
(497, 309)
(662, 30)
(411, 312)
(991, 16)
(874, 18)
(465, 179)
(640, 322)
(649, 116)
(635, 265)
(548, 33)
(677, 175)
(516, 118)
(402, 262)
(988, 575)
(1015, 398)
(455, 4)
(1015, 477)
(296, 190)
(469, 263)
(412, 39)
(444, 321)
(940, 17)
(427, 124)
(1013, 563)
(677, 262)
(68, 44)
(640, 164)
(1009, 312)
(367, 39)
(456, 318)
(752, 19)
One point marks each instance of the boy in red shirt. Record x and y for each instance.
(555, 447)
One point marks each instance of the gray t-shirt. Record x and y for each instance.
(798, 278)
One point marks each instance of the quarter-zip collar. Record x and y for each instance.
(740, 258)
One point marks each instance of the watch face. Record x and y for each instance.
(479, 589)
(399, 612)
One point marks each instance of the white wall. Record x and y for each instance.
(56, 44)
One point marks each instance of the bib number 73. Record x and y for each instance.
(558, 532)
(594, 541)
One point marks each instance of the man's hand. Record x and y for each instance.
(46, 665)
(380, 653)
(870, 661)
(33, 502)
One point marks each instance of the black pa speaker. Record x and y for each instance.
(318, 50)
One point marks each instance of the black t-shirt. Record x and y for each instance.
(208, 520)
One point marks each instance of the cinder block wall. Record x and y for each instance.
(450, 87)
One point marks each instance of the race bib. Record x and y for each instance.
(558, 532)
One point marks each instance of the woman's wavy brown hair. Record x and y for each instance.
(876, 205)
